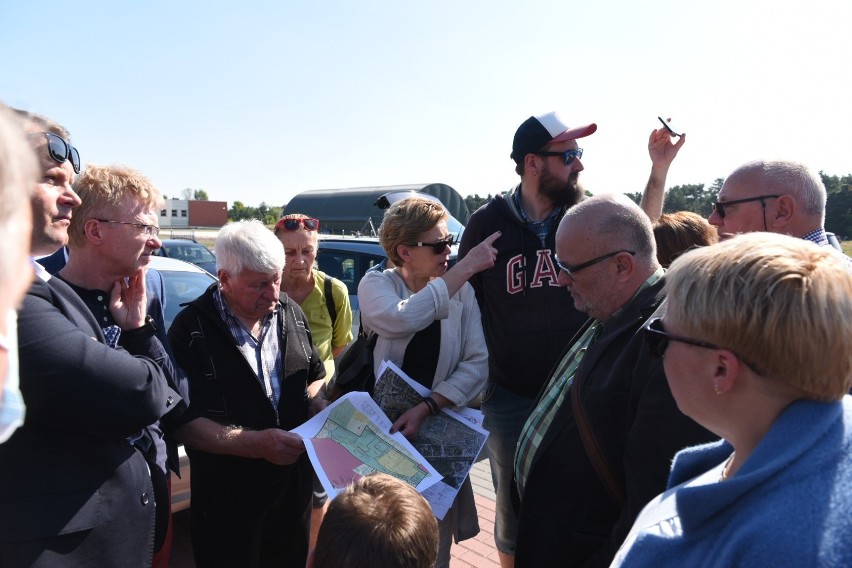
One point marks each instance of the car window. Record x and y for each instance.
(182, 287)
(346, 266)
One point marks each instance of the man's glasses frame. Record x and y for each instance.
(292, 223)
(658, 338)
(149, 230)
(438, 247)
(571, 270)
(719, 206)
(61, 150)
(567, 156)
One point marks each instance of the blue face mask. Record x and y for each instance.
(11, 402)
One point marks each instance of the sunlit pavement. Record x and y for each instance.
(479, 551)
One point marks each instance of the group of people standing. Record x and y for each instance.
(596, 366)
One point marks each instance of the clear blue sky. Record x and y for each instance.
(258, 100)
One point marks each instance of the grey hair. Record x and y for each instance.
(791, 178)
(248, 245)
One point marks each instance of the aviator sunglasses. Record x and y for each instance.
(292, 224)
(568, 155)
(438, 247)
(60, 150)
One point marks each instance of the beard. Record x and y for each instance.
(561, 193)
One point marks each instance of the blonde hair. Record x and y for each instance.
(784, 305)
(405, 220)
(103, 189)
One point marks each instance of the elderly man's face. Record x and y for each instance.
(594, 287)
(52, 202)
(746, 217)
(251, 295)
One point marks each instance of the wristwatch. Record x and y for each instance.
(148, 327)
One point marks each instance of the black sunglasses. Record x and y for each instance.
(60, 150)
(568, 155)
(571, 270)
(658, 338)
(438, 247)
(292, 224)
(719, 206)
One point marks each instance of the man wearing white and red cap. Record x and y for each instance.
(527, 317)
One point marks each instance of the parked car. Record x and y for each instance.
(183, 283)
(188, 250)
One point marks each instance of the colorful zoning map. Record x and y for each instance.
(351, 439)
(350, 447)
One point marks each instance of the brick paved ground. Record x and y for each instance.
(477, 552)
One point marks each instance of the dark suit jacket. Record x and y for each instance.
(567, 517)
(167, 449)
(73, 490)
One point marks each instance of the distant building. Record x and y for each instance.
(354, 210)
(178, 213)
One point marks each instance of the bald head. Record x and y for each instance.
(613, 221)
(607, 244)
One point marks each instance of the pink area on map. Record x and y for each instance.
(338, 463)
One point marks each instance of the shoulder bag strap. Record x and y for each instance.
(593, 449)
(329, 300)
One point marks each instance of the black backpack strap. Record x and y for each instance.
(329, 300)
(216, 405)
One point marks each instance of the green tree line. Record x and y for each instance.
(269, 215)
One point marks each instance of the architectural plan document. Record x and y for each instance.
(451, 441)
(351, 438)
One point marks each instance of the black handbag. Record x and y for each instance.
(355, 367)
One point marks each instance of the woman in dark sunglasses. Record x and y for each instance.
(756, 347)
(428, 324)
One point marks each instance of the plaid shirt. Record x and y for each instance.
(539, 421)
(263, 353)
(557, 389)
(817, 236)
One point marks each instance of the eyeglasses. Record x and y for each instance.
(292, 224)
(60, 150)
(719, 206)
(658, 338)
(567, 155)
(571, 270)
(438, 247)
(149, 230)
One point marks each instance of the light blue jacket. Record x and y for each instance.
(790, 504)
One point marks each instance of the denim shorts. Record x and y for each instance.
(505, 415)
